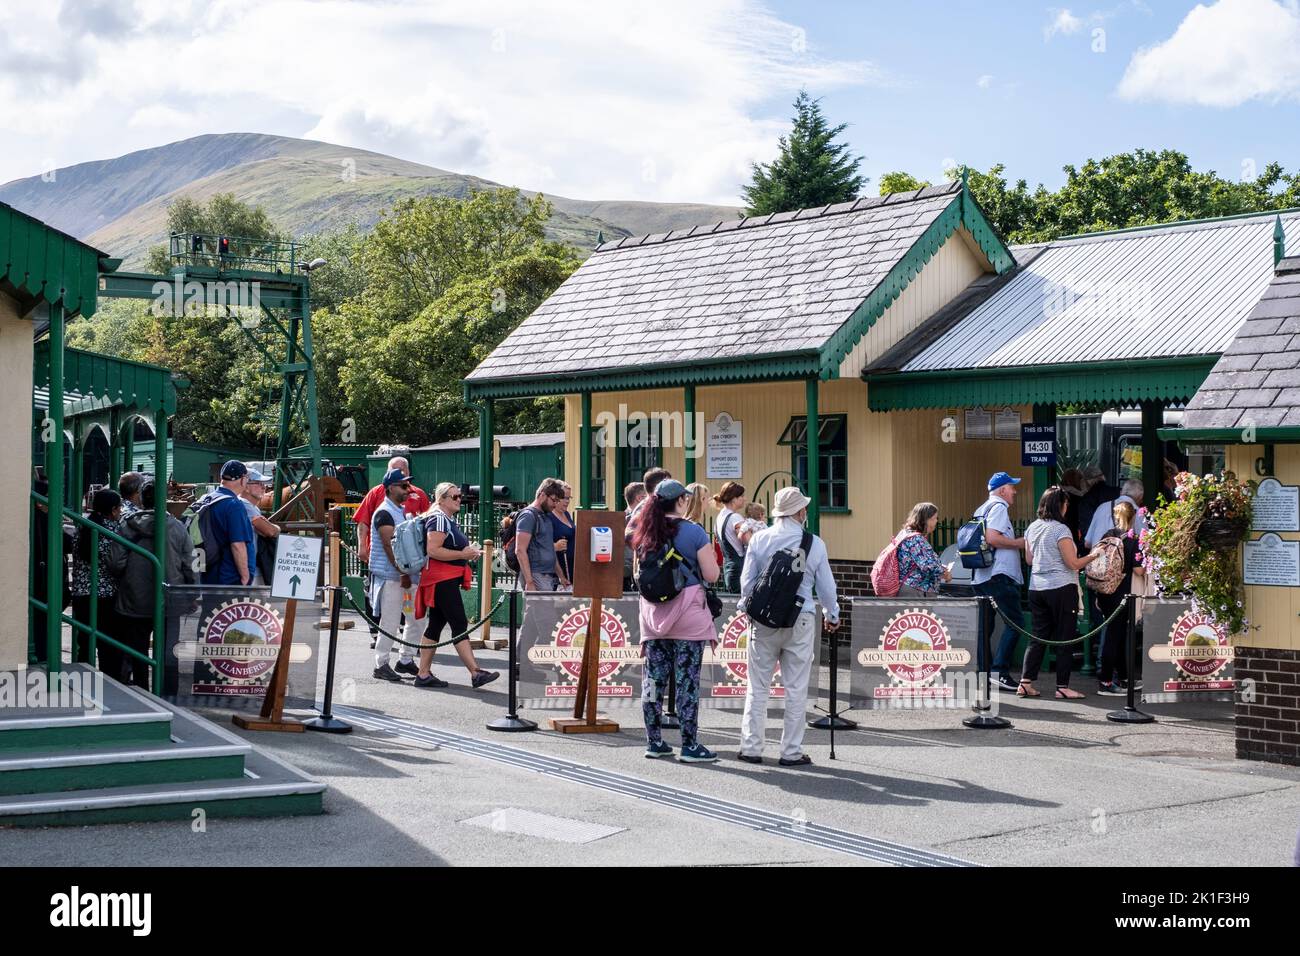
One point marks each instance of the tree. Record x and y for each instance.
(810, 170)
(445, 281)
(900, 182)
(222, 215)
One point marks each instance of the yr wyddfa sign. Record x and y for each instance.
(1038, 446)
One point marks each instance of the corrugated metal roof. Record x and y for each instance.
(749, 288)
(1164, 291)
(540, 439)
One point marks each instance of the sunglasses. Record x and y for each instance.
(454, 497)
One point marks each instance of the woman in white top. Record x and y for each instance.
(1053, 591)
(730, 502)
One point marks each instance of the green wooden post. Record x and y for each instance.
(1153, 453)
(128, 447)
(584, 454)
(114, 447)
(690, 440)
(814, 458)
(55, 476)
(160, 545)
(78, 465)
(309, 380)
(486, 477)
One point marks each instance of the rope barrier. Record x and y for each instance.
(1082, 637)
(425, 647)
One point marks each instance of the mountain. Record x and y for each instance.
(120, 205)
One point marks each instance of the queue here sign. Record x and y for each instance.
(297, 567)
(1037, 445)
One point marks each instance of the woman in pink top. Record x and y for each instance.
(673, 632)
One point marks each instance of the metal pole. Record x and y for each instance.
(984, 721)
(486, 476)
(1130, 714)
(833, 721)
(327, 722)
(512, 722)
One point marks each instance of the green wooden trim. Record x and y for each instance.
(106, 381)
(1175, 224)
(963, 211)
(1231, 436)
(787, 365)
(813, 445)
(584, 454)
(1114, 382)
(39, 264)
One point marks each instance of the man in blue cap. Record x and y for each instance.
(232, 531)
(1002, 580)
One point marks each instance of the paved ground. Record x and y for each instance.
(1064, 786)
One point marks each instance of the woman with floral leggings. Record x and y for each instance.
(673, 632)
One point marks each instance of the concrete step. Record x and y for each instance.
(268, 787)
(91, 713)
(197, 750)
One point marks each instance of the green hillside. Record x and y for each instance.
(120, 205)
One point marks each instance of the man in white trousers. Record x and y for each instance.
(793, 648)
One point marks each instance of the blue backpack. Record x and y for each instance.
(972, 542)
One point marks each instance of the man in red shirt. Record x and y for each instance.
(416, 503)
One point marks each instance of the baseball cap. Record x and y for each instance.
(233, 470)
(1000, 479)
(256, 476)
(394, 476)
(670, 489)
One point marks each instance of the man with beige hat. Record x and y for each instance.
(793, 648)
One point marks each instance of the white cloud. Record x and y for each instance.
(1222, 55)
(984, 82)
(1063, 21)
(665, 101)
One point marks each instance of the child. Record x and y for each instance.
(755, 518)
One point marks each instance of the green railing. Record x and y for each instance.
(233, 252)
(54, 644)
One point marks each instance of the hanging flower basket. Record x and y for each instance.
(1222, 534)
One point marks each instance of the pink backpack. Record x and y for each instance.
(884, 572)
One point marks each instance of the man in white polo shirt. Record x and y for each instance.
(1002, 580)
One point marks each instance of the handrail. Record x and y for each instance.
(91, 628)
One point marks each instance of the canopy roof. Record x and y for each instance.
(1112, 317)
(42, 266)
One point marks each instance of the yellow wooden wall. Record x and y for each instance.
(956, 265)
(895, 459)
(1274, 613)
(15, 481)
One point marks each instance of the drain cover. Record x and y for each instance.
(529, 823)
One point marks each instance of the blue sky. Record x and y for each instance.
(667, 101)
(1047, 99)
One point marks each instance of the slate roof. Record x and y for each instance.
(1161, 291)
(752, 287)
(1257, 380)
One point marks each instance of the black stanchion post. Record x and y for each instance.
(833, 721)
(983, 721)
(512, 722)
(327, 722)
(1130, 714)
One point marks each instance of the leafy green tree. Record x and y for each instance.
(222, 215)
(810, 170)
(900, 182)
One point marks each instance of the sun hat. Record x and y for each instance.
(789, 501)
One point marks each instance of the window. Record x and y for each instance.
(832, 462)
(638, 450)
(597, 465)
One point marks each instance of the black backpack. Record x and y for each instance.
(775, 601)
(662, 575)
(508, 528)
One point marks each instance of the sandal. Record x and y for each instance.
(1065, 693)
(1026, 689)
